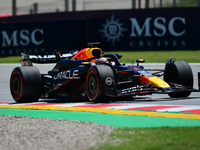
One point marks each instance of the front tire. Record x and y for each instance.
(95, 82)
(181, 73)
(26, 84)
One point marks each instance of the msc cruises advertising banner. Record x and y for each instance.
(41, 37)
(133, 30)
(157, 29)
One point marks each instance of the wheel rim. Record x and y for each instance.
(16, 85)
(92, 84)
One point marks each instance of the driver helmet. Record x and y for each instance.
(101, 60)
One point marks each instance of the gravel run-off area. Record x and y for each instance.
(27, 133)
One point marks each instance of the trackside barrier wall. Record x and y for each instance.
(140, 29)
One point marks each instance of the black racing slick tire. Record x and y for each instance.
(26, 84)
(95, 82)
(181, 73)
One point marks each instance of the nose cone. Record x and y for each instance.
(155, 81)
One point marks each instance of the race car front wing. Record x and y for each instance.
(148, 89)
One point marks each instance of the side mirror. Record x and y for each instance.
(140, 61)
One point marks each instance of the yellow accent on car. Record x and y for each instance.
(158, 82)
(85, 63)
(140, 61)
(91, 52)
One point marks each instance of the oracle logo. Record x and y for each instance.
(67, 75)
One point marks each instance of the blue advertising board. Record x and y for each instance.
(117, 30)
(148, 30)
(41, 37)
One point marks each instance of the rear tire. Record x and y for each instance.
(26, 84)
(95, 82)
(181, 73)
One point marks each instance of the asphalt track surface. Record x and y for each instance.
(193, 99)
(166, 111)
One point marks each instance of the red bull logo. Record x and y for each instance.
(144, 79)
(87, 53)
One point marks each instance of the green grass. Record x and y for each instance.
(10, 59)
(149, 56)
(159, 56)
(163, 138)
(182, 3)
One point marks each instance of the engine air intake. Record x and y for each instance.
(96, 52)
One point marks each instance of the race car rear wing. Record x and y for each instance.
(54, 57)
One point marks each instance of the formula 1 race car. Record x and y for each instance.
(98, 77)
